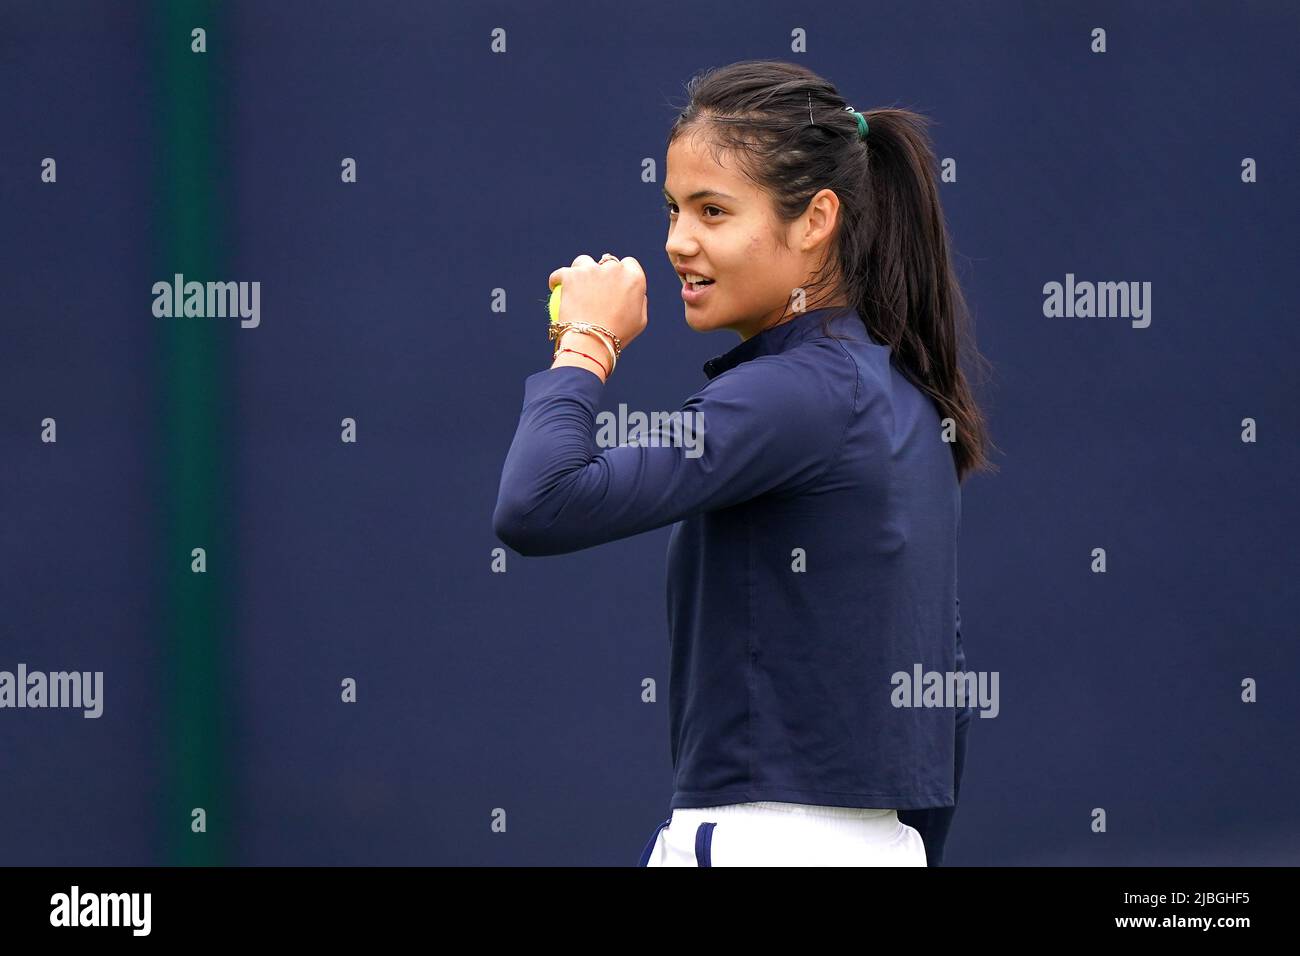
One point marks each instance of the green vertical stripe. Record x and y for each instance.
(197, 639)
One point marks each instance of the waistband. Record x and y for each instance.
(881, 823)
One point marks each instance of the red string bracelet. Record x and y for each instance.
(585, 355)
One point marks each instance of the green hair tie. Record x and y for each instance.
(862, 123)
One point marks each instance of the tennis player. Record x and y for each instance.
(813, 553)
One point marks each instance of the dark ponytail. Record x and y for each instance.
(891, 254)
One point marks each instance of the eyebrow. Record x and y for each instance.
(700, 194)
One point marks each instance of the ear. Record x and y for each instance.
(820, 218)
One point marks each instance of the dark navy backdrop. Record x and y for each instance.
(480, 171)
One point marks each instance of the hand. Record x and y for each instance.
(612, 294)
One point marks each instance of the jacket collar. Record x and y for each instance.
(844, 322)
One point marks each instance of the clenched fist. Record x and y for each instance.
(610, 294)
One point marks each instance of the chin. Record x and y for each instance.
(699, 321)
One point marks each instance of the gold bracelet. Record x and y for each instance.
(557, 333)
(558, 328)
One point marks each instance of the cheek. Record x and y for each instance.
(750, 254)
(764, 259)
(763, 244)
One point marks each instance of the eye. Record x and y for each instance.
(670, 207)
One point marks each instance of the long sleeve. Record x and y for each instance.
(757, 428)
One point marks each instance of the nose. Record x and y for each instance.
(680, 243)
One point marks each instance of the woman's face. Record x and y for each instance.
(722, 226)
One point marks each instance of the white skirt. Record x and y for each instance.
(783, 834)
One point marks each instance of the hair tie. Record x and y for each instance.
(862, 122)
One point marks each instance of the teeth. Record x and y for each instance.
(692, 277)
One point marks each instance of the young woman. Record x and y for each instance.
(812, 560)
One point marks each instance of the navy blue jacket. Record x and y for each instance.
(812, 557)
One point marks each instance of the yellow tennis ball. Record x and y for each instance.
(554, 305)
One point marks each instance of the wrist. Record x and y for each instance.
(592, 343)
(587, 341)
(604, 336)
(580, 354)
